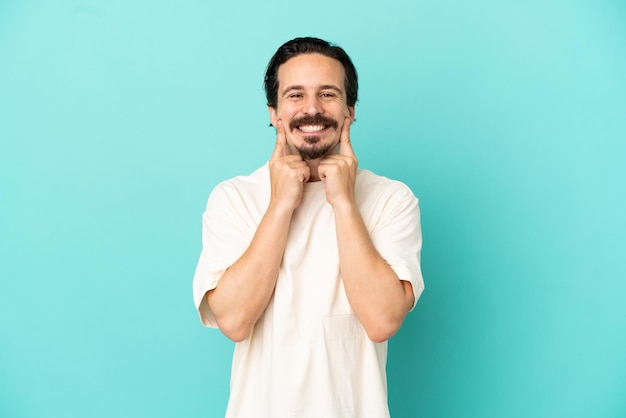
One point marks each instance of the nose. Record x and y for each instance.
(312, 105)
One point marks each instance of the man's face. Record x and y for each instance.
(311, 104)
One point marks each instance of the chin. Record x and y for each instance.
(314, 153)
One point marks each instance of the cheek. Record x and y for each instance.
(284, 109)
(288, 114)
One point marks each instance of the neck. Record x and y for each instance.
(313, 165)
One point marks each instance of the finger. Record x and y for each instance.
(321, 171)
(281, 142)
(344, 139)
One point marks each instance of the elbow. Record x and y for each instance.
(381, 326)
(385, 324)
(381, 331)
(236, 331)
(235, 336)
(233, 323)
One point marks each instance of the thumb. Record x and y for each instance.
(344, 140)
(281, 141)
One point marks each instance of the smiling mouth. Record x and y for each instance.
(313, 125)
(312, 129)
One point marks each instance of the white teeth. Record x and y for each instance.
(311, 128)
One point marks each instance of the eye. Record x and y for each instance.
(295, 96)
(327, 95)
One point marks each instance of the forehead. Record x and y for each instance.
(310, 71)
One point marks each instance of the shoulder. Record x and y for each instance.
(255, 181)
(384, 202)
(374, 185)
(242, 188)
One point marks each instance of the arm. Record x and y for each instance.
(246, 287)
(379, 299)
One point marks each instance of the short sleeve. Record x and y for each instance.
(398, 237)
(225, 236)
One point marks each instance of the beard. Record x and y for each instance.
(314, 148)
(314, 151)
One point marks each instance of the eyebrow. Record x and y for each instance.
(324, 87)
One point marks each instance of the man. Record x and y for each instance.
(310, 264)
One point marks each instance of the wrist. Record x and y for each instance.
(279, 210)
(345, 208)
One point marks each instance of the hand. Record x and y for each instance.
(288, 173)
(338, 171)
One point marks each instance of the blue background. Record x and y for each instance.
(507, 119)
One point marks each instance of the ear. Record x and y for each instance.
(273, 117)
(351, 111)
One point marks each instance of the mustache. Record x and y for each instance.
(313, 120)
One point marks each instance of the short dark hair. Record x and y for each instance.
(309, 45)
